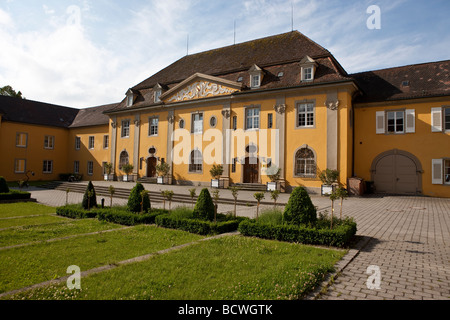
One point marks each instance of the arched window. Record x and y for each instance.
(123, 160)
(196, 161)
(305, 163)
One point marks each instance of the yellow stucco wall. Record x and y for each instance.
(98, 155)
(34, 153)
(423, 144)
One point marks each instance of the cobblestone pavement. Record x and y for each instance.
(407, 238)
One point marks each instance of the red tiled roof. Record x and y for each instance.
(92, 116)
(423, 80)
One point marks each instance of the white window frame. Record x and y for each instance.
(125, 129)
(197, 125)
(47, 167)
(307, 73)
(255, 119)
(196, 166)
(49, 142)
(445, 123)
(90, 168)
(395, 114)
(91, 142)
(308, 114)
(19, 140)
(77, 143)
(255, 81)
(310, 168)
(76, 167)
(106, 141)
(157, 96)
(153, 129)
(17, 166)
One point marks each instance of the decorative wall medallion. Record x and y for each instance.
(137, 123)
(200, 89)
(280, 108)
(332, 105)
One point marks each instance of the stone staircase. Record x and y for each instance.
(251, 187)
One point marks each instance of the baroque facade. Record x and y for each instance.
(277, 102)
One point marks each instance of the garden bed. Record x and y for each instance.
(14, 196)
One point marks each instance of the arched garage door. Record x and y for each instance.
(397, 172)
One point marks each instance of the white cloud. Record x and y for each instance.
(47, 10)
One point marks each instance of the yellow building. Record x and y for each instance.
(280, 102)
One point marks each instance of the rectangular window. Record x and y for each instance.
(20, 166)
(48, 166)
(395, 121)
(104, 168)
(126, 129)
(307, 74)
(49, 142)
(77, 143)
(305, 115)
(233, 165)
(234, 123)
(255, 81)
(105, 142)
(197, 123)
(447, 118)
(153, 126)
(447, 171)
(21, 140)
(91, 142)
(252, 118)
(76, 167)
(270, 121)
(90, 168)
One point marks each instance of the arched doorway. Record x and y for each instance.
(397, 172)
(151, 167)
(251, 170)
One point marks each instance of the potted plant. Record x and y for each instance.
(162, 170)
(108, 171)
(274, 175)
(127, 169)
(216, 171)
(329, 178)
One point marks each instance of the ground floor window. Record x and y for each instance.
(447, 171)
(48, 166)
(76, 167)
(196, 162)
(20, 166)
(305, 163)
(123, 159)
(90, 167)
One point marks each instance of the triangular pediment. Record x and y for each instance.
(200, 86)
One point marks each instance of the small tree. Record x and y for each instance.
(342, 194)
(216, 199)
(192, 193)
(89, 198)
(234, 192)
(3, 186)
(108, 168)
(333, 197)
(274, 194)
(204, 208)
(144, 197)
(300, 209)
(135, 198)
(167, 194)
(127, 168)
(258, 196)
(216, 171)
(329, 176)
(67, 196)
(162, 169)
(111, 190)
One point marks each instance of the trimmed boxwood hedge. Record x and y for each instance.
(15, 195)
(202, 227)
(114, 215)
(337, 237)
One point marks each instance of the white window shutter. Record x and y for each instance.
(410, 120)
(380, 125)
(436, 119)
(437, 171)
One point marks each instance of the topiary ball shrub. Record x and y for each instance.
(300, 209)
(204, 207)
(89, 201)
(135, 198)
(3, 186)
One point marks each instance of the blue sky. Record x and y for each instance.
(83, 53)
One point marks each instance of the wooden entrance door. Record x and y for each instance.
(151, 167)
(251, 170)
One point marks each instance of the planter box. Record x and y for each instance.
(217, 183)
(326, 190)
(162, 180)
(272, 186)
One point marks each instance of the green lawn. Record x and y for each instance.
(32, 233)
(31, 221)
(229, 268)
(24, 209)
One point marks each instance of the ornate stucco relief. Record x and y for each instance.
(200, 89)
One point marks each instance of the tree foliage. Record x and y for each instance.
(89, 198)
(10, 92)
(300, 209)
(204, 208)
(135, 199)
(3, 186)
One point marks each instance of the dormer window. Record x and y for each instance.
(256, 76)
(158, 96)
(131, 97)
(130, 100)
(308, 66)
(157, 93)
